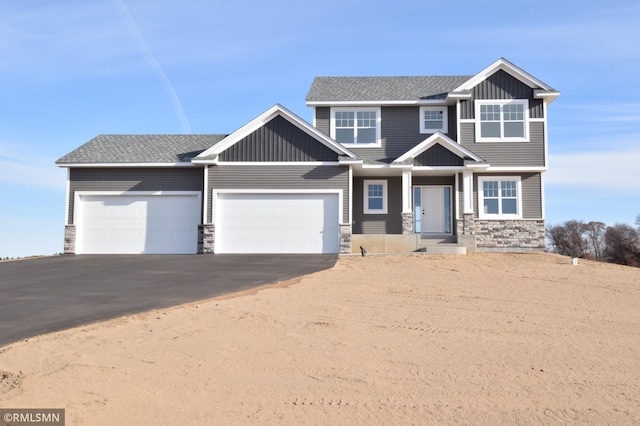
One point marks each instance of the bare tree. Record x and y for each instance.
(595, 236)
(622, 245)
(567, 239)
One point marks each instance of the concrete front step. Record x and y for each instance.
(446, 248)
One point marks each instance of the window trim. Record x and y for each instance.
(501, 103)
(377, 110)
(482, 214)
(365, 196)
(445, 119)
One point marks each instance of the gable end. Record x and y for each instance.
(502, 85)
(278, 140)
(437, 156)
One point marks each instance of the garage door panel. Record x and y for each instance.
(277, 223)
(135, 223)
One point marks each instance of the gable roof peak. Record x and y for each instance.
(510, 68)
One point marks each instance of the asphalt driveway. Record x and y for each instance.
(54, 293)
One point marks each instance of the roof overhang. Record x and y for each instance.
(121, 165)
(415, 102)
(210, 155)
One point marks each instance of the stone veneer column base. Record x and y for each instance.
(206, 238)
(69, 239)
(407, 223)
(345, 239)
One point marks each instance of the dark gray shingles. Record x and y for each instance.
(141, 149)
(345, 89)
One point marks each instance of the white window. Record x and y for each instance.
(433, 119)
(356, 126)
(500, 197)
(502, 121)
(375, 197)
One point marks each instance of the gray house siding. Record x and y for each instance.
(501, 85)
(531, 193)
(399, 130)
(512, 154)
(438, 155)
(132, 179)
(280, 177)
(279, 140)
(390, 223)
(433, 180)
(323, 120)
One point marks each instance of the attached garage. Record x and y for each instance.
(134, 223)
(277, 222)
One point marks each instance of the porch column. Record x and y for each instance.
(467, 191)
(466, 232)
(407, 205)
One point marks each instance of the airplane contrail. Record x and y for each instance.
(155, 66)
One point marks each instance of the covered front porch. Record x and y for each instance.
(418, 201)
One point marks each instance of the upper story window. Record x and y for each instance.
(499, 197)
(502, 121)
(356, 126)
(433, 119)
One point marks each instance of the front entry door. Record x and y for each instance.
(434, 209)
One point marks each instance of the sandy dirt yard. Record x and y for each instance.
(419, 339)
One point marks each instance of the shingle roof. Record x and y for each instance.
(345, 89)
(141, 149)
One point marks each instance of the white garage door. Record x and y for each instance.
(138, 224)
(277, 223)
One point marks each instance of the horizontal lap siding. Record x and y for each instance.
(511, 154)
(280, 177)
(390, 223)
(133, 179)
(323, 120)
(531, 193)
(399, 130)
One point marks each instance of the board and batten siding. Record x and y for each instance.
(132, 179)
(438, 155)
(390, 223)
(278, 140)
(507, 154)
(501, 85)
(531, 194)
(296, 177)
(399, 130)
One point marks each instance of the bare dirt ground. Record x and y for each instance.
(477, 339)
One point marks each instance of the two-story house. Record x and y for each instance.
(390, 164)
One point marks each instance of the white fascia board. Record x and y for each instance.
(125, 165)
(209, 161)
(264, 118)
(517, 169)
(476, 166)
(401, 166)
(377, 103)
(277, 163)
(442, 139)
(508, 67)
(350, 161)
(439, 168)
(548, 95)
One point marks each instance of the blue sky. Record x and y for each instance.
(73, 69)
